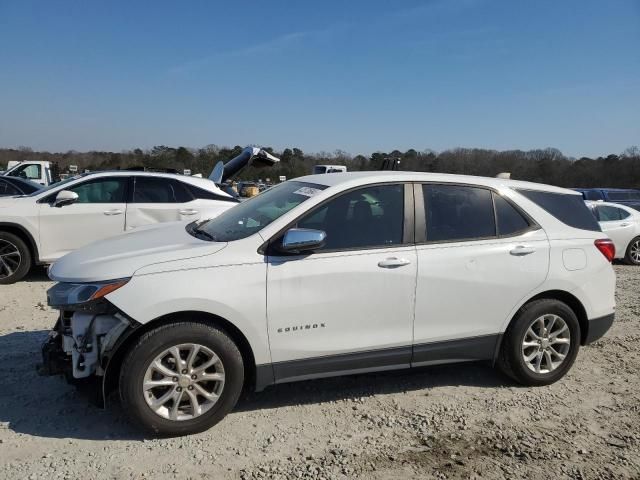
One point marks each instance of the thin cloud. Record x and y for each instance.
(274, 45)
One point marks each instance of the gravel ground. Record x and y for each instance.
(461, 421)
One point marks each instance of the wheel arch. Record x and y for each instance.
(563, 296)
(25, 235)
(115, 359)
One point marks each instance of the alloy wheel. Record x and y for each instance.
(546, 344)
(183, 382)
(634, 251)
(10, 258)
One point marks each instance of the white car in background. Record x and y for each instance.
(42, 227)
(622, 225)
(330, 275)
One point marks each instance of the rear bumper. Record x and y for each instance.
(598, 327)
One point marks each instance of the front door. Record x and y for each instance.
(98, 214)
(347, 307)
(471, 272)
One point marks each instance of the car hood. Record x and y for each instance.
(120, 256)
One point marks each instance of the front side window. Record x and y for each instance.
(605, 213)
(159, 190)
(455, 213)
(30, 172)
(254, 214)
(101, 190)
(368, 217)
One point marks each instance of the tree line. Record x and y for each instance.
(543, 165)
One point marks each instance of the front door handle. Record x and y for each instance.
(522, 250)
(188, 211)
(393, 262)
(624, 224)
(115, 211)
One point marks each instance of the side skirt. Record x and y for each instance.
(449, 351)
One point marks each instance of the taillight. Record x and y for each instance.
(606, 247)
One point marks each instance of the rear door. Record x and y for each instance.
(478, 256)
(159, 199)
(99, 213)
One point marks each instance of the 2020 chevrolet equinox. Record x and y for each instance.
(328, 275)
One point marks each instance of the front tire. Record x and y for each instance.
(181, 378)
(15, 258)
(632, 255)
(541, 343)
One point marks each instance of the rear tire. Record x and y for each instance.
(541, 343)
(172, 397)
(632, 255)
(15, 258)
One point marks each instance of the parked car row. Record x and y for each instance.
(329, 275)
(41, 225)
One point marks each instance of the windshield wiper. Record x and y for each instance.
(197, 229)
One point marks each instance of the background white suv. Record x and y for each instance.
(41, 227)
(329, 275)
(622, 225)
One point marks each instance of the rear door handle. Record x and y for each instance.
(115, 211)
(393, 262)
(188, 211)
(521, 250)
(624, 224)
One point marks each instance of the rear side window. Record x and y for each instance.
(7, 189)
(458, 213)
(510, 220)
(160, 190)
(605, 213)
(569, 209)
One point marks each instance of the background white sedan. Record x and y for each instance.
(622, 225)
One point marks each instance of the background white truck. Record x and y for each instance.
(41, 172)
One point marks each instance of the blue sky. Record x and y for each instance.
(360, 76)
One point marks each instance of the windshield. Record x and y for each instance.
(253, 215)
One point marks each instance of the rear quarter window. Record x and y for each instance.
(569, 209)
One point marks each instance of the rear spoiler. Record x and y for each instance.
(250, 156)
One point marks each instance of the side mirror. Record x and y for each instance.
(65, 197)
(298, 240)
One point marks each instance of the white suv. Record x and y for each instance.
(329, 275)
(41, 227)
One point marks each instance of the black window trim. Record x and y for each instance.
(421, 222)
(408, 233)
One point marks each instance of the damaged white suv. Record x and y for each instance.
(329, 275)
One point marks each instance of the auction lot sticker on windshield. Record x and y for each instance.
(307, 191)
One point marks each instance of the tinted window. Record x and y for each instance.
(159, 190)
(510, 220)
(569, 209)
(458, 213)
(253, 215)
(101, 190)
(605, 213)
(31, 172)
(363, 218)
(593, 195)
(7, 189)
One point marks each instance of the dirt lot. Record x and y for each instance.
(463, 421)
